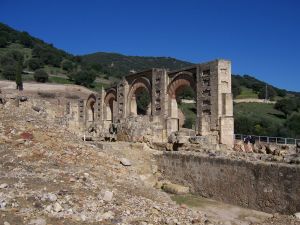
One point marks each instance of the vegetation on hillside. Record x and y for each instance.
(120, 65)
(247, 86)
(19, 49)
(42, 62)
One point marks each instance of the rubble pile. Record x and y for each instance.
(48, 174)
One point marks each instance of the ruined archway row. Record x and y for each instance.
(210, 81)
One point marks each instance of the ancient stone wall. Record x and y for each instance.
(212, 85)
(269, 187)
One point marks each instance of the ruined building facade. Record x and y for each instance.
(117, 105)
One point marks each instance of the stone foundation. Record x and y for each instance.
(268, 187)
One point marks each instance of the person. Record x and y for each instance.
(252, 140)
(246, 139)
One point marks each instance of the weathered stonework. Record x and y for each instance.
(117, 105)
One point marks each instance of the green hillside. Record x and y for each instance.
(120, 65)
(20, 52)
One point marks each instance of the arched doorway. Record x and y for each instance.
(139, 98)
(182, 101)
(109, 101)
(90, 106)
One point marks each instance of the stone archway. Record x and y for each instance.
(180, 81)
(90, 108)
(109, 102)
(138, 86)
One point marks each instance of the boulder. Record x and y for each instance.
(4, 185)
(182, 139)
(36, 108)
(125, 162)
(239, 146)
(172, 138)
(270, 149)
(57, 207)
(248, 147)
(108, 196)
(23, 98)
(297, 215)
(175, 189)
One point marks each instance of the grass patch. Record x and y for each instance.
(189, 111)
(257, 110)
(59, 80)
(193, 201)
(98, 86)
(54, 70)
(247, 93)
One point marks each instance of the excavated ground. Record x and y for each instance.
(50, 176)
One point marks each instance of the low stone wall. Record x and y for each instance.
(269, 187)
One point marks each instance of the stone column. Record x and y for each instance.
(225, 103)
(159, 94)
(122, 94)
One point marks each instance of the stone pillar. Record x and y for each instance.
(99, 106)
(206, 98)
(81, 111)
(122, 93)
(225, 103)
(159, 94)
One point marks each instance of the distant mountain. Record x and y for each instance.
(119, 65)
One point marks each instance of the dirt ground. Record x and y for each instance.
(50, 176)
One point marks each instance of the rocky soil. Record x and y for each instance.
(49, 176)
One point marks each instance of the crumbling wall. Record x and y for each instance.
(140, 129)
(269, 187)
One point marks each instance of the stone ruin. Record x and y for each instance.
(112, 113)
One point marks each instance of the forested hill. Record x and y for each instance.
(120, 65)
(34, 54)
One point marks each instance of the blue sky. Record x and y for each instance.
(260, 37)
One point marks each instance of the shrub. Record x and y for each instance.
(9, 72)
(67, 65)
(3, 42)
(41, 76)
(287, 105)
(85, 78)
(34, 64)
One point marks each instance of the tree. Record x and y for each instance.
(34, 63)
(293, 124)
(11, 62)
(286, 105)
(236, 87)
(186, 93)
(25, 39)
(19, 81)
(281, 92)
(9, 72)
(41, 76)
(142, 101)
(67, 65)
(85, 78)
(271, 93)
(3, 42)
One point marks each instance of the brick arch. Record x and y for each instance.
(179, 82)
(137, 86)
(110, 97)
(90, 108)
